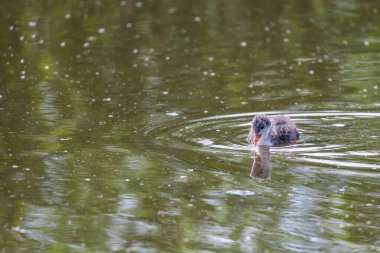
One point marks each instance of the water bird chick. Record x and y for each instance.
(275, 131)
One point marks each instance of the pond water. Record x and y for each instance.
(124, 126)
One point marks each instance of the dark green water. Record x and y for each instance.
(123, 126)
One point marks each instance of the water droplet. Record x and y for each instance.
(86, 44)
(63, 44)
(366, 43)
(197, 19)
(67, 16)
(46, 67)
(243, 44)
(101, 30)
(311, 72)
(32, 23)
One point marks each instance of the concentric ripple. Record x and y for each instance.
(336, 138)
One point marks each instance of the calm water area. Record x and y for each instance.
(124, 123)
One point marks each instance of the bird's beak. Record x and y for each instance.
(257, 138)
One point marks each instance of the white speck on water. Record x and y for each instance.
(87, 179)
(311, 72)
(46, 67)
(241, 193)
(63, 44)
(14, 166)
(288, 31)
(197, 19)
(172, 10)
(110, 116)
(183, 177)
(106, 99)
(18, 229)
(205, 142)
(366, 43)
(22, 38)
(101, 30)
(314, 239)
(86, 44)
(96, 73)
(127, 180)
(33, 36)
(210, 58)
(172, 114)
(267, 28)
(22, 77)
(205, 73)
(128, 25)
(135, 51)
(205, 111)
(41, 42)
(11, 28)
(329, 79)
(22, 61)
(32, 23)
(167, 58)
(67, 16)
(165, 93)
(212, 74)
(286, 40)
(91, 38)
(243, 44)
(139, 4)
(345, 42)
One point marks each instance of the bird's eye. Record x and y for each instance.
(261, 127)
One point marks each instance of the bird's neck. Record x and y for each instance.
(265, 139)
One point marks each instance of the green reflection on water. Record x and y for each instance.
(105, 145)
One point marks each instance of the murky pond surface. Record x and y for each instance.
(124, 123)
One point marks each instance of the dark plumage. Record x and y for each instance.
(282, 130)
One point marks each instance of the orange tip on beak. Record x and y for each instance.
(257, 138)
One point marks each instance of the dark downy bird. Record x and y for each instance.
(275, 131)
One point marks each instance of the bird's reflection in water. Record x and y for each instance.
(262, 166)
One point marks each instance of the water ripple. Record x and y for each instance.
(328, 138)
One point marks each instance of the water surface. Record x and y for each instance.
(124, 126)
